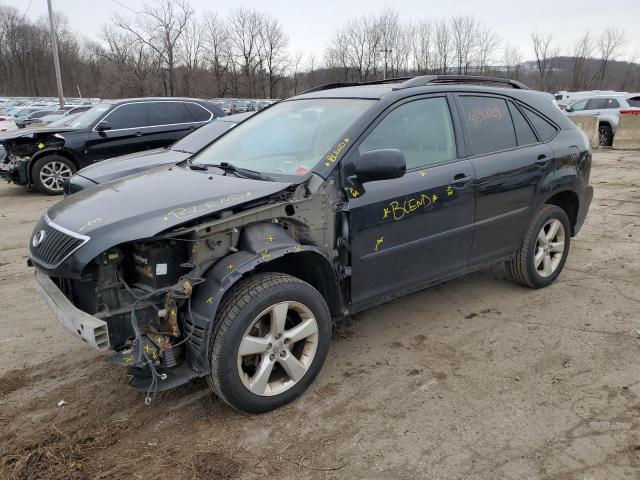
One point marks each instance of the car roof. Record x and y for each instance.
(154, 99)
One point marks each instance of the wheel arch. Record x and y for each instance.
(569, 201)
(44, 153)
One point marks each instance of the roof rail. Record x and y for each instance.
(432, 79)
(329, 86)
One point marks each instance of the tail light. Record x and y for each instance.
(630, 112)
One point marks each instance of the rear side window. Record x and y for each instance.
(634, 102)
(168, 113)
(420, 129)
(132, 115)
(199, 113)
(488, 123)
(546, 130)
(612, 103)
(524, 133)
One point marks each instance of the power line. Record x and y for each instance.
(124, 6)
(26, 11)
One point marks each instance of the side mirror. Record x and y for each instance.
(103, 125)
(383, 164)
(568, 109)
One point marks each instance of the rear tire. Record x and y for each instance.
(50, 172)
(273, 338)
(605, 135)
(544, 249)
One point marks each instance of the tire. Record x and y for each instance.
(526, 267)
(50, 172)
(605, 135)
(251, 316)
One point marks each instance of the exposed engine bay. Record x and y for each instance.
(158, 297)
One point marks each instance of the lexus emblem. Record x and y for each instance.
(38, 238)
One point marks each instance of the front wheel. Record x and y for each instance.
(272, 341)
(50, 172)
(544, 249)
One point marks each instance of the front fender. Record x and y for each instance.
(258, 244)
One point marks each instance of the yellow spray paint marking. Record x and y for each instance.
(264, 254)
(270, 238)
(128, 359)
(423, 173)
(379, 243)
(449, 191)
(90, 223)
(434, 197)
(230, 266)
(130, 377)
(397, 210)
(298, 248)
(353, 192)
(147, 348)
(210, 300)
(41, 145)
(333, 156)
(182, 212)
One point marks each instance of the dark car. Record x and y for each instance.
(232, 265)
(46, 157)
(119, 167)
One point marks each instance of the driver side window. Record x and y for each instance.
(421, 129)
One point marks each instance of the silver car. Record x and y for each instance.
(607, 109)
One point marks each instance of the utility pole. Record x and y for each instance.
(56, 59)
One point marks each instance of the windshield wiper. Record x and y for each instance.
(241, 172)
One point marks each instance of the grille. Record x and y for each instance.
(56, 244)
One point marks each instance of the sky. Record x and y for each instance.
(310, 24)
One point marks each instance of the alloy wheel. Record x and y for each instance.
(549, 247)
(278, 348)
(53, 175)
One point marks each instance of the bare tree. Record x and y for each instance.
(487, 44)
(608, 46)
(544, 51)
(422, 46)
(512, 59)
(274, 44)
(582, 51)
(160, 27)
(464, 32)
(443, 46)
(245, 29)
(217, 51)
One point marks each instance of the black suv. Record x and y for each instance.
(232, 264)
(47, 157)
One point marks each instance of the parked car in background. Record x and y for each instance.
(6, 122)
(48, 156)
(607, 108)
(47, 119)
(34, 117)
(231, 265)
(119, 167)
(564, 98)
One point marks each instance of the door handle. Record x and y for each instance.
(460, 179)
(542, 160)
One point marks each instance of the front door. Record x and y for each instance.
(410, 231)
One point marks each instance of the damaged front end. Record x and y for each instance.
(20, 151)
(153, 301)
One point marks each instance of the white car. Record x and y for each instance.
(6, 123)
(564, 98)
(607, 108)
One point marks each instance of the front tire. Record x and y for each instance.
(544, 249)
(273, 338)
(50, 172)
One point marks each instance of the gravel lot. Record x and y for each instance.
(475, 379)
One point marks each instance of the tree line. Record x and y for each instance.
(167, 50)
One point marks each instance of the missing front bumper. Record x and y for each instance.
(88, 328)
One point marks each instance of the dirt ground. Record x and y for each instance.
(475, 379)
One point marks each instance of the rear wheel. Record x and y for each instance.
(272, 341)
(605, 135)
(544, 249)
(50, 172)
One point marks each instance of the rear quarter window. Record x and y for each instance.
(546, 130)
(488, 124)
(169, 113)
(199, 113)
(524, 132)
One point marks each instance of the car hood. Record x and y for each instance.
(119, 167)
(30, 132)
(145, 204)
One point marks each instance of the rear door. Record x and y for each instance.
(127, 123)
(169, 121)
(509, 162)
(409, 231)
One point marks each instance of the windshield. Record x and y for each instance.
(289, 138)
(202, 136)
(87, 118)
